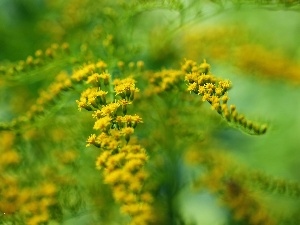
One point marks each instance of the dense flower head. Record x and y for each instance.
(214, 91)
(122, 163)
(125, 88)
(165, 80)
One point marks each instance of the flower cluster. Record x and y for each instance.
(61, 83)
(83, 73)
(165, 80)
(221, 179)
(31, 204)
(213, 90)
(39, 59)
(121, 160)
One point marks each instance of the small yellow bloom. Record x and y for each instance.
(102, 159)
(113, 177)
(133, 165)
(110, 109)
(127, 132)
(135, 185)
(93, 79)
(131, 209)
(103, 124)
(91, 140)
(147, 197)
(105, 77)
(101, 65)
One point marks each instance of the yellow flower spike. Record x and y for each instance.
(214, 91)
(122, 163)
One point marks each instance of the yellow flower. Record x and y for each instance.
(128, 121)
(131, 209)
(115, 161)
(192, 87)
(101, 160)
(103, 124)
(135, 185)
(93, 79)
(105, 77)
(101, 65)
(125, 88)
(91, 140)
(113, 177)
(120, 193)
(9, 158)
(110, 109)
(124, 103)
(127, 132)
(133, 165)
(147, 197)
(47, 189)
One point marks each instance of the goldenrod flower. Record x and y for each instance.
(127, 132)
(103, 124)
